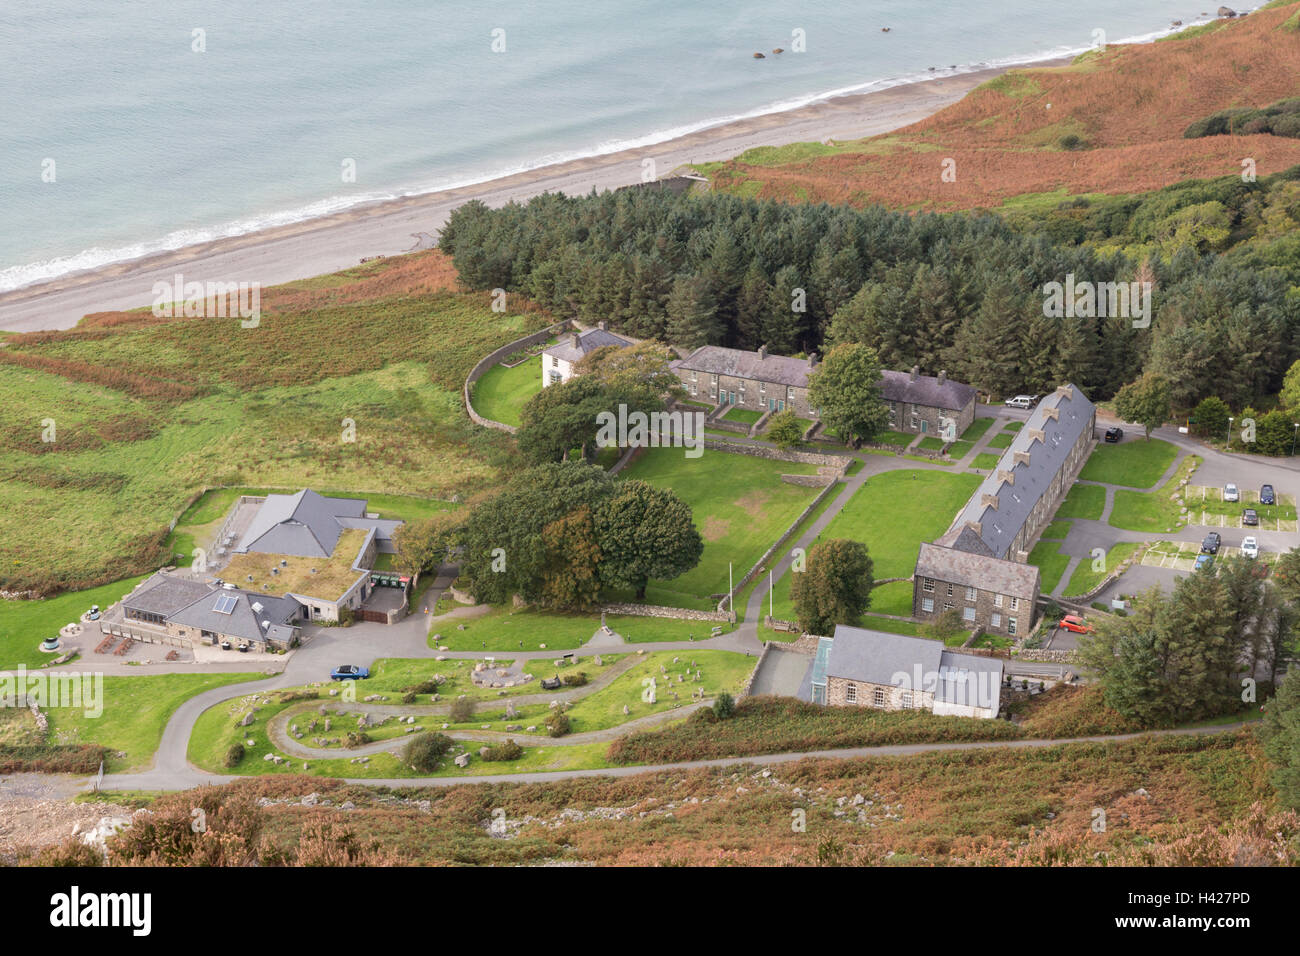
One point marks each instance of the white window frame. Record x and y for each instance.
(968, 614)
(1011, 625)
(995, 620)
(927, 585)
(970, 594)
(851, 693)
(878, 697)
(927, 605)
(997, 600)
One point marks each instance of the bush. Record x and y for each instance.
(462, 710)
(1071, 141)
(356, 738)
(506, 751)
(575, 680)
(426, 750)
(234, 755)
(557, 722)
(724, 706)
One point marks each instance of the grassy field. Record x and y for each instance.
(148, 412)
(1085, 577)
(507, 629)
(135, 711)
(1134, 464)
(1050, 562)
(1002, 439)
(1083, 501)
(977, 429)
(745, 416)
(501, 393)
(24, 624)
(740, 504)
(1158, 510)
(985, 460)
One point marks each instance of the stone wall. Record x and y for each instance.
(494, 358)
(677, 613)
(809, 481)
(840, 462)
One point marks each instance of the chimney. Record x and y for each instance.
(1007, 477)
(943, 376)
(1022, 457)
(812, 360)
(574, 341)
(762, 352)
(601, 325)
(989, 501)
(916, 370)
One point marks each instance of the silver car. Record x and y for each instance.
(1230, 493)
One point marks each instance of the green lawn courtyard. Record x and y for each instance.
(501, 393)
(1134, 464)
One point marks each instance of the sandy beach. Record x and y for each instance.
(335, 242)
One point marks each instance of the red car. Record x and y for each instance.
(1072, 622)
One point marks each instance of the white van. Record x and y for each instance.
(1020, 401)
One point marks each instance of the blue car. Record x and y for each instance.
(350, 672)
(1204, 561)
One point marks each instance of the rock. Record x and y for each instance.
(486, 727)
(759, 56)
(347, 805)
(625, 710)
(327, 725)
(530, 728)
(511, 713)
(778, 50)
(596, 660)
(311, 800)
(269, 757)
(859, 799)
(1227, 12)
(462, 760)
(248, 720)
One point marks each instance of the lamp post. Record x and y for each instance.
(1230, 421)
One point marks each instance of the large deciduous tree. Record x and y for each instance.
(1145, 401)
(835, 587)
(845, 390)
(644, 532)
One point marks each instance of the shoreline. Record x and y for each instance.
(325, 244)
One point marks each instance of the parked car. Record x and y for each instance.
(1266, 496)
(1250, 517)
(1230, 493)
(1250, 547)
(1020, 401)
(1072, 622)
(1204, 561)
(349, 672)
(1114, 434)
(1211, 543)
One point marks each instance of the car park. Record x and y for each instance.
(349, 672)
(1204, 561)
(1072, 622)
(1211, 543)
(1114, 434)
(1250, 547)
(1266, 496)
(1250, 517)
(1230, 493)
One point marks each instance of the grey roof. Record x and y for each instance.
(926, 390)
(716, 360)
(308, 524)
(969, 679)
(1030, 480)
(165, 594)
(879, 658)
(242, 622)
(978, 571)
(588, 341)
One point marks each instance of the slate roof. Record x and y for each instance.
(242, 622)
(978, 571)
(588, 341)
(165, 594)
(1016, 499)
(969, 679)
(879, 658)
(739, 363)
(926, 390)
(308, 524)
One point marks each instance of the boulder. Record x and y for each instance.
(462, 760)
(1227, 12)
(248, 720)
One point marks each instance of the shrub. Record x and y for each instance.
(724, 706)
(356, 738)
(1071, 141)
(426, 750)
(575, 680)
(462, 710)
(557, 722)
(506, 751)
(234, 755)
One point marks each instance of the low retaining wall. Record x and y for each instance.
(677, 613)
(809, 481)
(840, 462)
(494, 358)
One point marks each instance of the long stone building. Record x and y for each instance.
(979, 565)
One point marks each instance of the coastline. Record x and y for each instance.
(332, 242)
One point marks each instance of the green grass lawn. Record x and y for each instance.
(1157, 511)
(1013, 426)
(977, 429)
(1056, 531)
(1001, 440)
(985, 461)
(740, 505)
(930, 443)
(135, 711)
(1134, 464)
(1083, 501)
(895, 438)
(207, 403)
(501, 393)
(1050, 562)
(959, 449)
(24, 624)
(507, 629)
(1085, 578)
(746, 416)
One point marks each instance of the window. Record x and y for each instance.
(968, 614)
(762, 388)
(927, 605)
(1011, 625)
(878, 698)
(995, 620)
(970, 594)
(927, 585)
(947, 605)
(851, 693)
(1015, 604)
(789, 393)
(997, 600)
(907, 700)
(949, 590)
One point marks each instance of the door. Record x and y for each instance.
(925, 425)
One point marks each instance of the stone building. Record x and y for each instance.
(558, 360)
(928, 405)
(993, 533)
(754, 380)
(864, 668)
